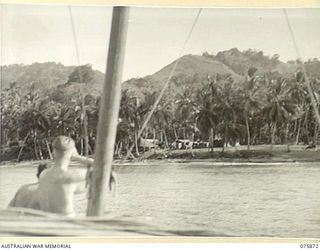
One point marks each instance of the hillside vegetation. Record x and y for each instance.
(232, 97)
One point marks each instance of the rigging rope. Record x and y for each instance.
(85, 118)
(311, 93)
(83, 109)
(85, 125)
(1, 61)
(166, 83)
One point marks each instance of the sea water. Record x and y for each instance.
(270, 200)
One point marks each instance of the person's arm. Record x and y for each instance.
(85, 161)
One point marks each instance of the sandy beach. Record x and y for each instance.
(256, 154)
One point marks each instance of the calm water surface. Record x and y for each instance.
(257, 200)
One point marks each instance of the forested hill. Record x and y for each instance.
(47, 74)
(49, 77)
(236, 64)
(191, 70)
(239, 62)
(231, 65)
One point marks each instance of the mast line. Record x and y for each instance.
(83, 108)
(314, 103)
(175, 65)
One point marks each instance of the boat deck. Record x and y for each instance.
(29, 222)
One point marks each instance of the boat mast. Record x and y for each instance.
(108, 115)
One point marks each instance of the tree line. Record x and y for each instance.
(262, 109)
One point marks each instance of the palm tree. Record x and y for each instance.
(254, 100)
(280, 107)
(206, 113)
(184, 112)
(310, 91)
(161, 119)
(230, 111)
(231, 131)
(132, 113)
(34, 125)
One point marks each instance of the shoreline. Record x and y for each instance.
(257, 155)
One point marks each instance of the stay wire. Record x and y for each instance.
(1, 66)
(311, 93)
(85, 125)
(166, 83)
(83, 109)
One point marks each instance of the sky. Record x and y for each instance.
(42, 33)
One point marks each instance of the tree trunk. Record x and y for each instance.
(175, 132)
(49, 150)
(298, 132)
(191, 147)
(273, 133)
(22, 146)
(35, 150)
(40, 151)
(286, 138)
(81, 146)
(120, 150)
(223, 145)
(136, 142)
(259, 138)
(305, 124)
(4, 137)
(144, 144)
(116, 147)
(212, 139)
(270, 132)
(85, 134)
(295, 126)
(161, 136)
(248, 133)
(90, 151)
(315, 135)
(165, 138)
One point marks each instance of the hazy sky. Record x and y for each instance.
(41, 33)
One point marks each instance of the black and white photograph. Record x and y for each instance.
(137, 121)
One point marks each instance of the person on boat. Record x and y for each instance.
(27, 195)
(58, 184)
